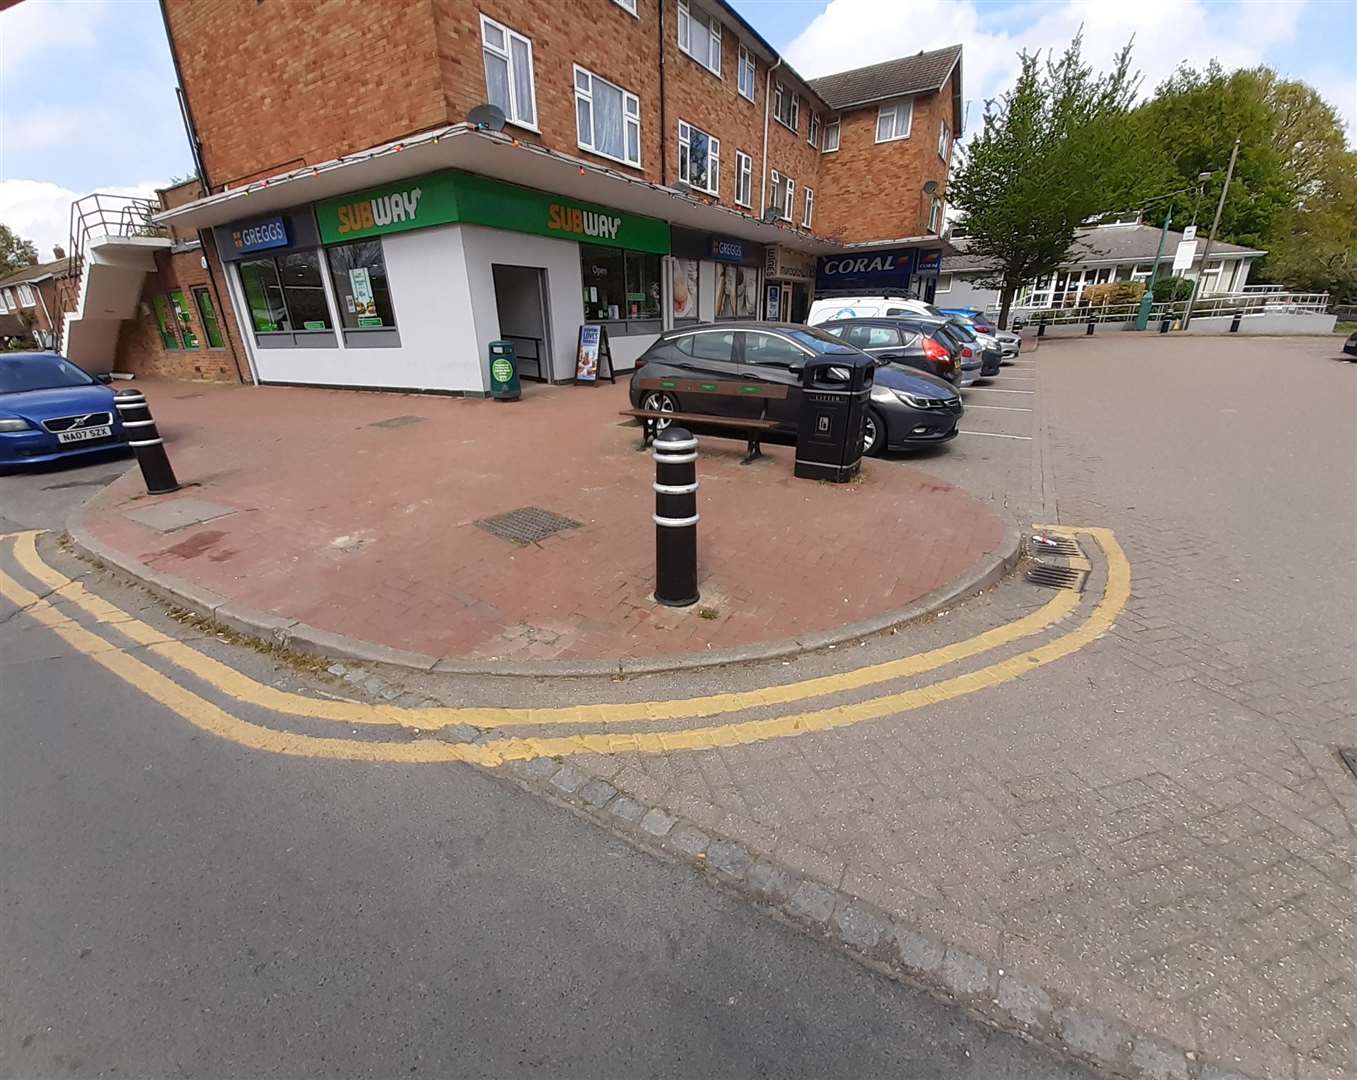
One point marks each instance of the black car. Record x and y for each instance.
(901, 341)
(1350, 346)
(990, 358)
(909, 408)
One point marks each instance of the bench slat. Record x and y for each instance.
(700, 418)
(718, 387)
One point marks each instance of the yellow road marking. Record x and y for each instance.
(241, 687)
(211, 718)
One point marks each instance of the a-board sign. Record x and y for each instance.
(591, 353)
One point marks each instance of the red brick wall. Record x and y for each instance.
(273, 84)
(874, 190)
(140, 348)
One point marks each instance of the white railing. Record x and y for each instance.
(1246, 303)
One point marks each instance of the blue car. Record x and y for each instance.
(51, 410)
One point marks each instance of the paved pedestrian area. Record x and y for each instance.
(358, 513)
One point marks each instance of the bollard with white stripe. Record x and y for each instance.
(146, 443)
(676, 517)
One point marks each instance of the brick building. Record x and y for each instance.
(657, 162)
(30, 304)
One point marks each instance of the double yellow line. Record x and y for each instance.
(240, 687)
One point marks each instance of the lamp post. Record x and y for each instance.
(1210, 240)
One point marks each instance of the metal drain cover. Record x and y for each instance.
(527, 524)
(1039, 544)
(1057, 577)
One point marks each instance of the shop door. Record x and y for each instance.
(521, 303)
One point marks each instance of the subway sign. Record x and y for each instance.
(882, 269)
(259, 235)
(451, 197)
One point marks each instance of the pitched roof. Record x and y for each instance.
(1114, 243)
(55, 268)
(908, 75)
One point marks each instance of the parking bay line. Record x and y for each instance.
(215, 720)
(996, 390)
(241, 687)
(1002, 408)
(994, 435)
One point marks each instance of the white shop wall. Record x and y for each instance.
(565, 299)
(433, 302)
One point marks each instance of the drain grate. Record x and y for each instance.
(397, 421)
(1047, 544)
(527, 524)
(1349, 756)
(1057, 577)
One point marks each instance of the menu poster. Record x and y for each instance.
(590, 353)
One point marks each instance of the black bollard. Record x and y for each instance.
(1234, 323)
(676, 517)
(146, 443)
(1041, 328)
(1089, 331)
(1164, 325)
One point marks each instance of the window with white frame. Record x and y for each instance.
(508, 72)
(775, 191)
(607, 118)
(813, 131)
(832, 136)
(627, 5)
(699, 35)
(744, 178)
(944, 283)
(808, 215)
(893, 120)
(10, 302)
(746, 73)
(934, 214)
(786, 107)
(944, 140)
(789, 197)
(4, 304)
(26, 295)
(699, 159)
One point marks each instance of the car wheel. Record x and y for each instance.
(873, 434)
(659, 401)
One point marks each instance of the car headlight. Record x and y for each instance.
(13, 425)
(913, 400)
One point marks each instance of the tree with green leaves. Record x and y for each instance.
(15, 252)
(1054, 151)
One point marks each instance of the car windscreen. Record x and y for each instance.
(812, 337)
(40, 373)
(961, 330)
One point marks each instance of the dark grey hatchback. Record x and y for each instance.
(908, 409)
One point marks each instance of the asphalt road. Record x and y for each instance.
(172, 905)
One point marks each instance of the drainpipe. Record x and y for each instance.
(664, 123)
(763, 169)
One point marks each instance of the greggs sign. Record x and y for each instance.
(456, 197)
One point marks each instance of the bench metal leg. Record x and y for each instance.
(752, 452)
(647, 433)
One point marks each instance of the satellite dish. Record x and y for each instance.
(770, 215)
(931, 187)
(486, 118)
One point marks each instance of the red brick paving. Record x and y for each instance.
(368, 531)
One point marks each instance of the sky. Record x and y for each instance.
(87, 98)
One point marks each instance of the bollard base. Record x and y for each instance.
(689, 602)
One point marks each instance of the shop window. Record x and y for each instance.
(746, 79)
(285, 293)
(809, 214)
(893, 120)
(832, 136)
(165, 322)
(699, 35)
(362, 291)
(813, 131)
(699, 159)
(619, 285)
(207, 315)
(508, 72)
(744, 178)
(786, 107)
(737, 291)
(182, 317)
(607, 118)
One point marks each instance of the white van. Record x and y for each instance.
(868, 307)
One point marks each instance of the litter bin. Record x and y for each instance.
(504, 385)
(834, 393)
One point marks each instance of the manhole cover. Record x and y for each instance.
(527, 524)
(1057, 577)
(397, 421)
(1048, 544)
(1349, 756)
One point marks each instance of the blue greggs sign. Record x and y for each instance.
(260, 235)
(726, 249)
(887, 268)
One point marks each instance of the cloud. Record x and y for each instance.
(853, 33)
(40, 210)
(47, 30)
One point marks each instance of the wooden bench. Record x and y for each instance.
(752, 427)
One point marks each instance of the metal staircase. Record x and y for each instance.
(113, 246)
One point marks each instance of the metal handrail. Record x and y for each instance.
(100, 214)
(536, 356)
(1219, 304)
